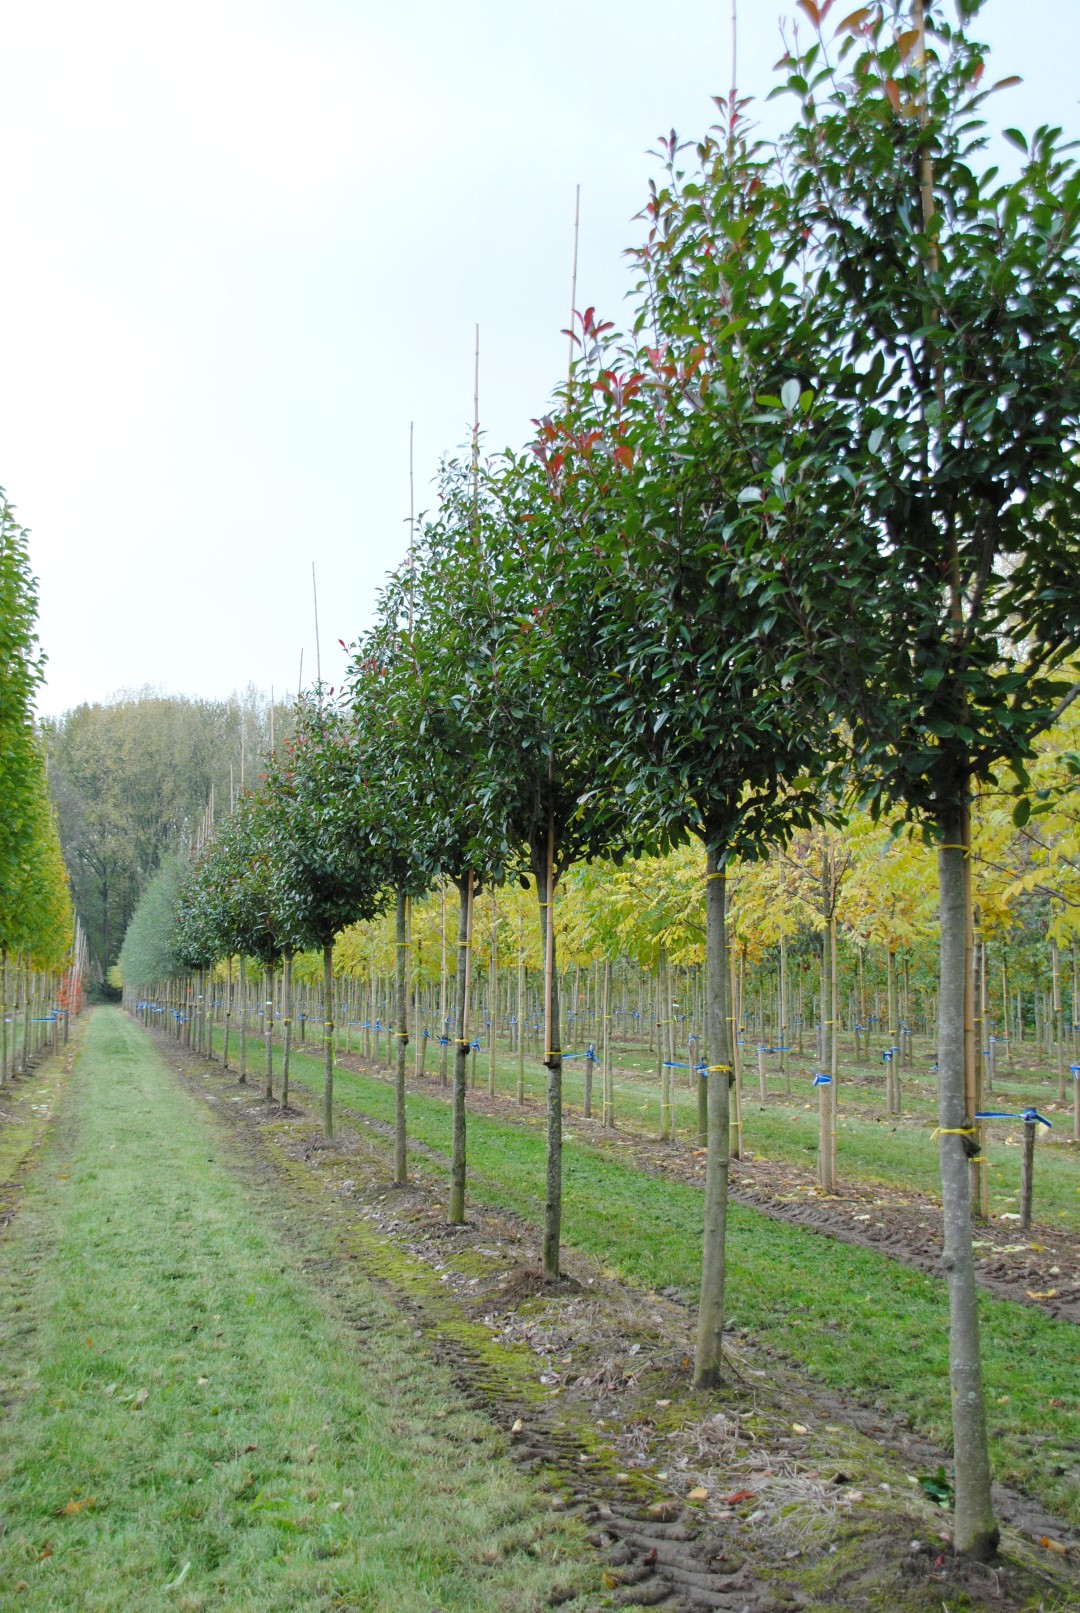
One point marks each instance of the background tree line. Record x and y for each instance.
(130, 780)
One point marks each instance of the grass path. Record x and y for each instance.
(188, 1426)
(857, 1319)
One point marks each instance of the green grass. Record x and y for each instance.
(179, 1396)
(873, 1149)
(857, 1320)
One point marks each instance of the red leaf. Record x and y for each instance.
(892, 91)
(906, 43)
(1006, 83)
(624, 455)
(854, 21)
(740, 1495)
(811, 11)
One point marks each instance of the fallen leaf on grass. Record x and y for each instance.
(1041, 1293)
(70, 1508)
(1053, 1545)
(936, 1487)
(611, 1581)
(141, 1397)
(518, 1426)
(739, 1495)
(698, 1493)
(799, 1428)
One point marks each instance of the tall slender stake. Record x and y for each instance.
(318, 652)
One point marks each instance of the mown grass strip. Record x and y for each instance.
(859, 1321)
(191, 1427)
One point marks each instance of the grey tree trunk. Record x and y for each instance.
(605, 1053)
(401, 1174)
(1027, 1175)
(3, 1018)
(461, 1054)
(328, 1038)
(521, 1025)
(975, 1531)
(28, 1011)
(708, 1360)
(268, 1029)
(1059, 1017)
(228, 1013)
(444, 1023)
(286, 1020)
(543, 869)
(242, 1060)
(493, 999)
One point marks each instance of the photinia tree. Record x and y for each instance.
(405, 692)
(522, 668)
(665, 427)
(915, 521)
(325, 872)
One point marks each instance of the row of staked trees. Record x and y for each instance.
(803, 534)
(36, 917)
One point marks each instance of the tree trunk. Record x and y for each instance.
(493, 999)
(521, 1019)
(826, 1158)
(544, 870)
(976, 1533)
(286, 1020)
(608, 1113)
(228, 1013)
(241, 1072)
(444, 1022)
(1059, 1018)
(461, 1053)
(710, 1329)
(4, 1018)
(28, 1010)
(1027, 1175)
(401, 1174)
(268, 1029)
(328, 1036)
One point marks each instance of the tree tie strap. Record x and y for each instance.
(1028, 1116)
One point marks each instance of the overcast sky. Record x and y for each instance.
(245, 242)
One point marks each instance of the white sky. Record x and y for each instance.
(244, 242)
